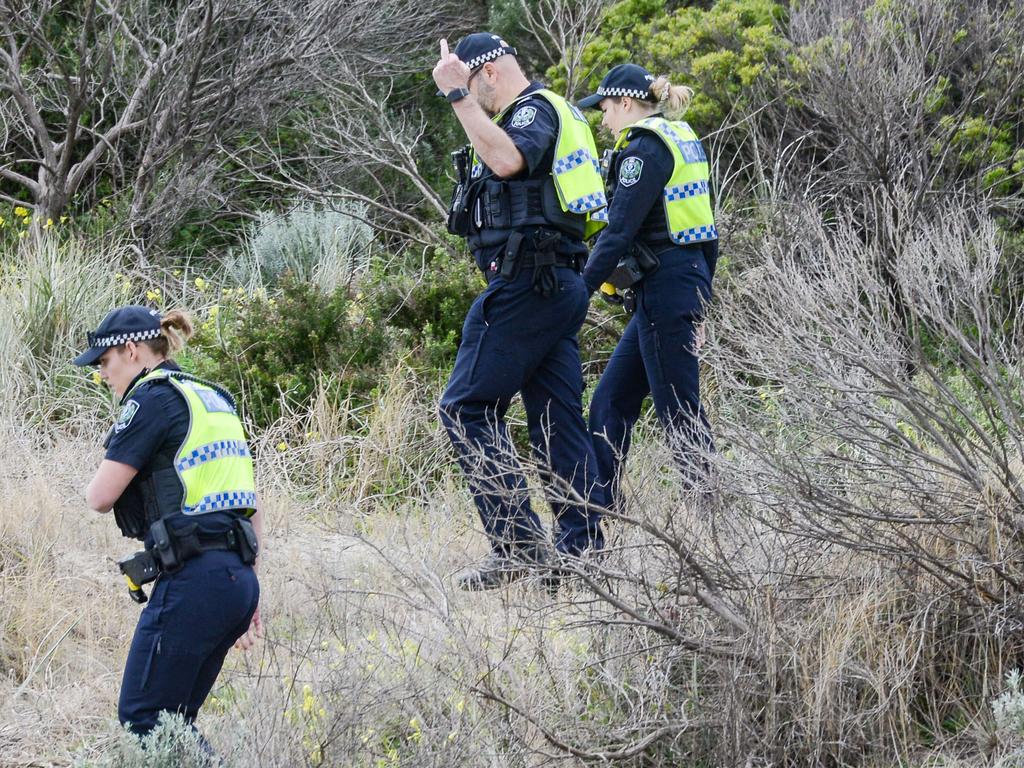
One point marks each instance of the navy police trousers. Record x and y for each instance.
(515, 340)
(192, 619)
(656, 357)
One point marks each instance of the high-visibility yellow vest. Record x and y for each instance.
(575, 168)
(687, 197)
(213, 463)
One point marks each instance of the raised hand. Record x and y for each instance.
(450, 72)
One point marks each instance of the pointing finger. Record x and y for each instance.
(444, 49)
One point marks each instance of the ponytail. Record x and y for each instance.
(175, 330)
(672, 99)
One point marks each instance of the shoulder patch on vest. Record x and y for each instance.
(213, 401)
(630, 170)
(524, 116)
(124, 418)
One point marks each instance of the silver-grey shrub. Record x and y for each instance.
(330, 247)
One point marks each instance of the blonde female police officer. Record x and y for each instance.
(527, 194)
(660, 206)
(178, 476)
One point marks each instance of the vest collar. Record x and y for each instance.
(168, 365)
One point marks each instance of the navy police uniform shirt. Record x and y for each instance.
(154, 420)
(639, 174)
(533, 127)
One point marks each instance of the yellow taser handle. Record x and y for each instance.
(608, 289)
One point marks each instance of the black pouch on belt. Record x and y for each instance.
(248, 544)
(545, 280)
(511, 263)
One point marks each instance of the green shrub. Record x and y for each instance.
(426, 307)
(277, 348)
(720, 51)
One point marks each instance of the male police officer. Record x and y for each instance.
(529, 190)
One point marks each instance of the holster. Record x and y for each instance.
(458, 209)
(641, 262)
(165, 546)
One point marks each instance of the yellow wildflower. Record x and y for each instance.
(21, 212)
(460, 705)
(3, 222)
(200, 283)
(22, 234)
(176, 272)
(63, 219)
(153, 295)
(96, 378)
(48, 224)
(282, 446)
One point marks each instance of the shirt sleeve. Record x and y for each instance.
(533, 127)
(643, 169)
(140, 429)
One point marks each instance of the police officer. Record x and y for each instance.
(661, 246)
(527, 196)
(179, 476)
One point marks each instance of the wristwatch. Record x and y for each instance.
(456, 94)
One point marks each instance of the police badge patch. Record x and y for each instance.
(125, 417)
(523, 117)
(630, 170)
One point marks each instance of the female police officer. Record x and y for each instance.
(660, 213)
(179, 476)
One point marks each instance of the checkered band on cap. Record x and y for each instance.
(483, 58)
(121, 338)
(634, 93)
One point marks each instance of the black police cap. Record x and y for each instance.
(131, 323)
(477, 49)
(623, 80)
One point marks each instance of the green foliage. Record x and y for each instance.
(427, 307)
(983, 147)
(277, 348)
(720, 51)
(285, 343)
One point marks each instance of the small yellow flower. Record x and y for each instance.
(451, 736)
(63, 219)
(214, 311)
(176, 273)
(48, 224)
(3, 222)
(96, 378)
(200, 283)
(460, 705)
(225, 291)
(22, 234)
(153, 295)
(282, 446)
(118, 276)
(21, 212)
